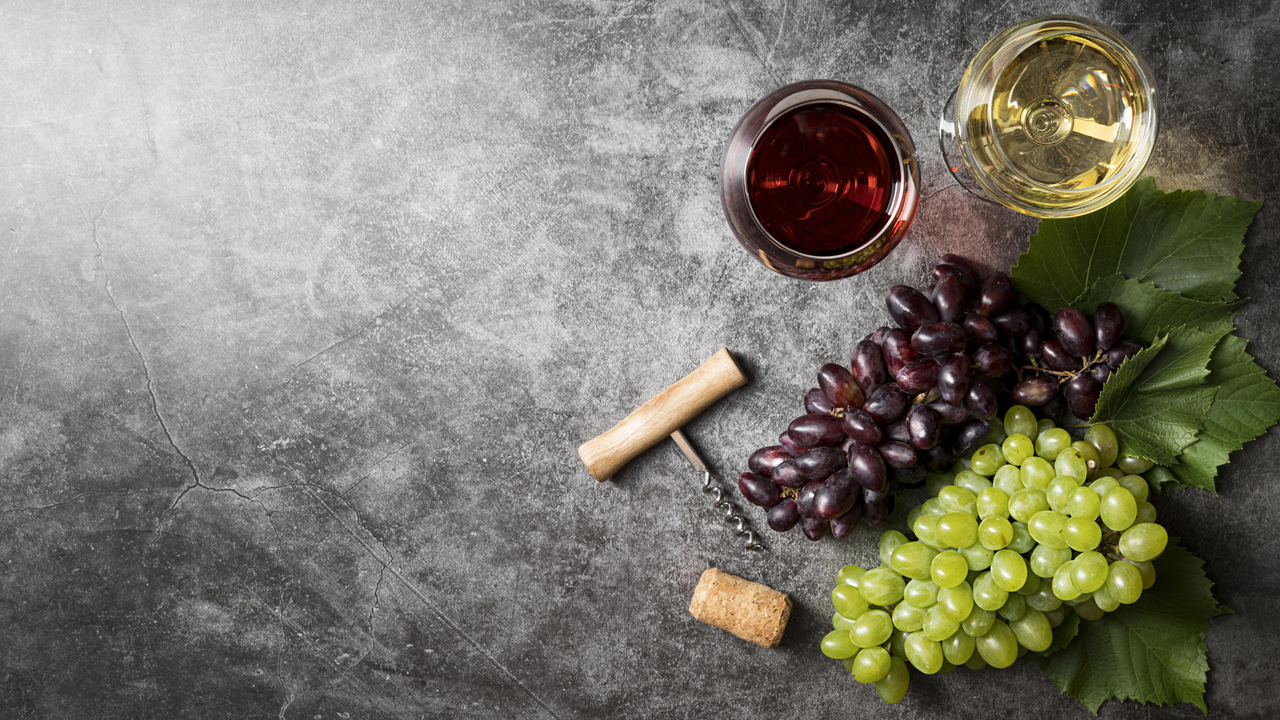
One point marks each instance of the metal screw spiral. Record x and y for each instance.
(731, 515)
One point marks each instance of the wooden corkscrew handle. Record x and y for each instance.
(662, 415)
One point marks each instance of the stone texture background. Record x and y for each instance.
(305, 307)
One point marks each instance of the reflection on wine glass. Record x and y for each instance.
(819, 180)
(1054, 117)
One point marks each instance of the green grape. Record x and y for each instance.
(1017, 448)
(1051, 442)
(1008, 479)
(894, 685)
(948, 569)
(1047, 526)
(1137, 486)
(958, 648)
(1060, 491)
(1088, 610)
(995, 533)
(992, 503)
(1104, 485)
(978, 557)
(1022, 541)
(1134, 465)
(947, 668)
(1144, 542)
(907, 618)
(987, 594)
(898, 643)
(1079, 599)
(1104, 441)
(1089, 571)
(976, 662)
(958, 529)
(1146, 513)
(926, 529)
(1119, 509)
(999, 646)
(1026, 503)
(978, 622)
(958, 500)
(1044, 600)
(913, 560)
(1055, 616)
(1045, 560)
(1019, 420)
(882, 586)
(1082, 534)
(913, 515)
(1090, 455)
(848, 664)
(988, 459)
(1009, 571)
(849, 575)
(1045, 424)
(1036, 472)
(996, 435)
(1071, 462)
(937, 626)
(838, 644)
(1013, 608)
(1103, 598)
(871, 664)
(1031, 586)
(920, 593)
(1033, 631)
(840, 622)
(890, 540)
(873, 628)
(1124, 582)
(1084, 503)
(933, 507)
(848, 601)
(1110, 472)
(1147, 570)
(924, 653)
(971, 481)
(1063, 588)
(933, 483)
(956, 602)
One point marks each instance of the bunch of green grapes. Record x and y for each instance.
(1032, 525)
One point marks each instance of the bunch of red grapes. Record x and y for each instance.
(920, 395)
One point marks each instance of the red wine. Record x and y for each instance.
(821, 179)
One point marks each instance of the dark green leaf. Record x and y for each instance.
(1151, 422)
(1186, 242)
(1152, 651)
(1247, 403)
(1148, 310)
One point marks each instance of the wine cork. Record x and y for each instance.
(754, 612)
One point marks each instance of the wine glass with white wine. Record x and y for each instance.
(1054, 117)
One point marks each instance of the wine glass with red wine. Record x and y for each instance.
(819, 180)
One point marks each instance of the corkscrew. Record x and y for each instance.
(662, 416)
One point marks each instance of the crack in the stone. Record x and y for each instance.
(357, 333)
(373, 607)
(369, 472)
(75, 498)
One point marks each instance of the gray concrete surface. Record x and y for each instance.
(305, 307)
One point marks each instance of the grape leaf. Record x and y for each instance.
(1247, 403)
(1153, 423)
(1186, 242)
(1152, 651)
(1148, 310)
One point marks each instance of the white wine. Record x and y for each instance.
(1056, 116)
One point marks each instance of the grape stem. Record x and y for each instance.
(1064, 375)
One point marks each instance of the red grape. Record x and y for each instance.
(816, 430)
(1108, 325)
(860, 426)
(815, 401)
(939, 339)
(924, 425)
(970, 437)
(1074, 331)
(918, 376)
(1121, 351)
(820, 463)
(996, 295)
(783, 516)
(790, 444)
(764, 460)
(804, 501)
(788, 474)
(909, 308)
(992, 360)
(867, 466)
(897, 350)
(843, 525)
(835, 496)
(758, 490)
(981, 399)
(868, 366)
(1056, 357)
(950, 299)
(897, 454)
(953, 379)
(1081, 393)
(1013, 322)
(1035, 391)
(813, 528)
(981, 329)
(838, 385)
(949, 414)
(886, 404)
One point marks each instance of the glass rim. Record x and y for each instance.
(793, 96)
(1012, 41)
